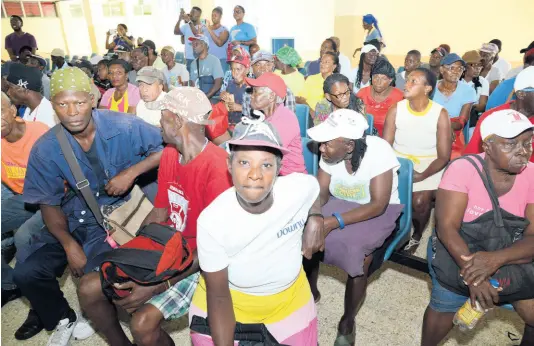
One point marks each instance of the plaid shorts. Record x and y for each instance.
(175, 302)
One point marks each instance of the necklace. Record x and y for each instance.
(201, 150)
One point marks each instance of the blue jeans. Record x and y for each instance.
(27, 223)
(441, 299)
(36, 276)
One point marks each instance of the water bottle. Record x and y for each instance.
(467, 317)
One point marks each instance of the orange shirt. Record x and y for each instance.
(15, 155)
(379, 109)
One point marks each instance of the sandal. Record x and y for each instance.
(318, 298)
(346, 340)
(412, 244)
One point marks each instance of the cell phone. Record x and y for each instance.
(203, 21)
(113, 31)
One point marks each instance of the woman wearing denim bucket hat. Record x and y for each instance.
(456, 97)
(360, 204)
(252, 263)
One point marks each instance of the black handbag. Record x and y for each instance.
(495, 230)
(246, 334)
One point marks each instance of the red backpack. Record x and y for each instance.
(156, 254)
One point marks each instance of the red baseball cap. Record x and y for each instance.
(240, 59)
(270, 80)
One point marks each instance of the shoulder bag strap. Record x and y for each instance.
(198, 74)
(82, 184)
(488, 184)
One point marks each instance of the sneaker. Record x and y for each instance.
(83, 329)
(63, 332)
(412, 245)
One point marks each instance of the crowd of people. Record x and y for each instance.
(216, 147)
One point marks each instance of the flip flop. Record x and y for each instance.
(346, 340)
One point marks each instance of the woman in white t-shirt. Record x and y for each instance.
(250, 246)
(360, 173)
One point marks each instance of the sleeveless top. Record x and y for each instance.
(415, 137)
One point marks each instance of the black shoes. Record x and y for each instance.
(9, 295)
(31, 327)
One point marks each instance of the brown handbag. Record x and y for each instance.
(123, 223)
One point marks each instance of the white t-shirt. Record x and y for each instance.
(483, 90)
(503, 65)
(150, 116)
(379, 158)
(345, 68)
(179, 70)
(355, 89)
(43, 113)
(262, 251)
(494, 74)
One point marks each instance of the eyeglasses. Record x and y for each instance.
(451, 68)
(341, 95)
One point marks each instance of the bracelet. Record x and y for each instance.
(316, 214)
(339, 220)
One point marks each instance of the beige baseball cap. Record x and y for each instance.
(187, 102)
(150, 75)
(58, 52)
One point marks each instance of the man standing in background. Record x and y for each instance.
(191, 28)
(18, 39)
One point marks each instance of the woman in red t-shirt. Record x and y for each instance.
(381, 94)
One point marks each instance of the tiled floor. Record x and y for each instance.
(392, 313)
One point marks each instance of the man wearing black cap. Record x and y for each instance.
(39, 62)
(24, 88)
(18, 39)
(434, 62)
(515, 71)
(153, 58)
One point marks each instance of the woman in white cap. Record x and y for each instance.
(362, 74)
(465, 219)
(360, 200)
(252, 263)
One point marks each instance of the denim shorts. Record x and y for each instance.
(441, 299)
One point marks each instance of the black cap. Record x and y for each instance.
(83, 64)
(530, 46)
(39, 58)
(25, 77)
(150, 44)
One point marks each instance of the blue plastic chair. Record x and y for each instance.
(370, 121)
(405, 194)
(466, 132)
(93, 55)
(303, 112)
(311, 159)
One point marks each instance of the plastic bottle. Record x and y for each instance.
(467, 317)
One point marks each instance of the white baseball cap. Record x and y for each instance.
(506, 124)
(344, 123)
(368, 47)
(525, 79)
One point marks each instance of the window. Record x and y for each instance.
(76, 11)
(49, 9)
(31, 9)
(113, 9)
(143, 8)
(12, 8)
